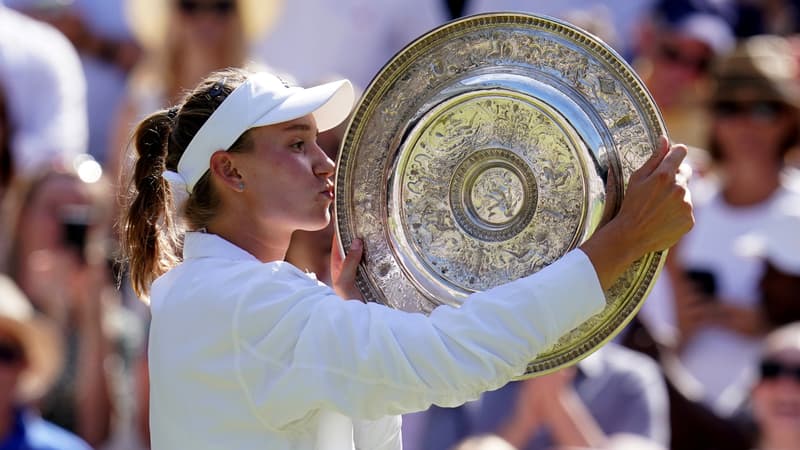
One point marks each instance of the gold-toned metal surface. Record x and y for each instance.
(484, 151)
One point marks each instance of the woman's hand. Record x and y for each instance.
(344, 268)
(747, 321)
(654, 214)
(693, 309)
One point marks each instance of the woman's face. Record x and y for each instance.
(287, 176)
(206, 22)
(776, 397)
(750, 130)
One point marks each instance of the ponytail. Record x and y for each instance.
(150, 238)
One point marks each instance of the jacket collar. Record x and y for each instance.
(198, 245)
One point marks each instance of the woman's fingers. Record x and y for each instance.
(673, 159)
(350, 263)
(653, 162)
(344, 269)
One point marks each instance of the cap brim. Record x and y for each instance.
(330, 103)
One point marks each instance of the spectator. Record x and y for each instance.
(777, 247)
(59, 259)
(775, 398)
(6, 158)
(6, 174)
(30, 357)
(105, 44)
(618, 18)
(354, 38)
(676, 44)
(615, 390)
(183, 41)
(41, 77)
(719, 317)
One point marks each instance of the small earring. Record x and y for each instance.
(241, 185)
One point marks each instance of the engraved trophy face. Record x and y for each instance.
(483, 152)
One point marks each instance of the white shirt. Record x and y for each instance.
(721, 360)
(45, 91)
(252, 355)
(315, 40)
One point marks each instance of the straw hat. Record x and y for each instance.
(764, 67)
(149, 19)
(39, 338)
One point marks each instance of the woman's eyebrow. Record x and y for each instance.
(297, 127)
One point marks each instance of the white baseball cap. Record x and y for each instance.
(263, 99)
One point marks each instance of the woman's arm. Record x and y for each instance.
(368, 361)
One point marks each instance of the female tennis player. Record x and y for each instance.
(248, 352)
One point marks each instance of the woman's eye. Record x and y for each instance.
(300, 145)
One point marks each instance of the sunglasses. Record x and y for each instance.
(763, 111)
(10, 353)
(219, 7)
(771, 370)
(673, 54)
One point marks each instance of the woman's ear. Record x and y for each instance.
(223, 167)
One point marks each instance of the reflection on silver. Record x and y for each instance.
(483, 152)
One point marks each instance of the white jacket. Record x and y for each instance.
(251, 355)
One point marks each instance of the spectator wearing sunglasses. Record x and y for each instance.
(714, 290)
(676, 45)
(316, 39)
(30, 358)
(775, 398)
(183, 41)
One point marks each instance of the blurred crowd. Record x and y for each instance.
(712, 361)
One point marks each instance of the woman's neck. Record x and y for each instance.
(751, 184)
(265, 244)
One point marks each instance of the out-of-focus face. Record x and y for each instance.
(287, 176)
(42, 220)
(206, 22)
(679, 63)
(776, 396)
(749, 130)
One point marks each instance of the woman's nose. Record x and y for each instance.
(324, 165)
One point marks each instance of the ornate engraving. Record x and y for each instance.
(496, 196)
(460, 197)
(578, 112)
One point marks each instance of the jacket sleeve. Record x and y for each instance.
(304, 349)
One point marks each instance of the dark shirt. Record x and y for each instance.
(31, 432)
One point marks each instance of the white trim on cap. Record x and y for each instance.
(263, 99)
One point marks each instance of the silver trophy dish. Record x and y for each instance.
(484, 151)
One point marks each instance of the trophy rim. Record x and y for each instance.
(642, 278)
